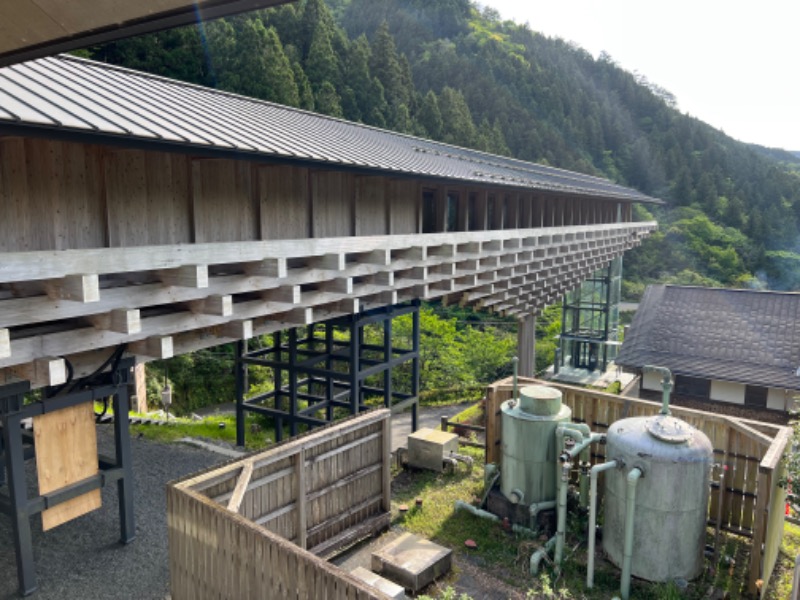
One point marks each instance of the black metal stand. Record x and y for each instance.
(316, 374)
(17, 446)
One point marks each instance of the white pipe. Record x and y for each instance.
(517, 496)
(483, 514)
(593, 474)
(562, 513)
(630, 509)
(572, 431)
(537, 556)
(537, 507)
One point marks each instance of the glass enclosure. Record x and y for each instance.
(590, 321)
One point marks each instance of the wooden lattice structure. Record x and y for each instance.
(747, 497)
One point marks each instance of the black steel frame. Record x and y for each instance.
(326, 373)
(17, 446)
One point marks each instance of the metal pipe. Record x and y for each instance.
(666, 385)
(515, 366)
(483, 514)
(630, 509)
(573, 432)
(537, 556)
(593, 474)
(537, 507)
(585, 443)
(562, 512)
(517, 496)
(584, 466)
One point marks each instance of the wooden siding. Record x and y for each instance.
(752, 499)
(241, 530)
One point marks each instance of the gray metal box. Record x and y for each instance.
(427, 448)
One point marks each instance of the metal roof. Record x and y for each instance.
(35, 28)
(743, 336)
(76, 96)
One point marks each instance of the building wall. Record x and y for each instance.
(779, 399)
(58, 195)
(727, 391)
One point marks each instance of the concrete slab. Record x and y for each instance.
(412, 561)
(390, 588)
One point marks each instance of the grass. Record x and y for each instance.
(781, 583)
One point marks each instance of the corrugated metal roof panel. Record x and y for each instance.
(83, 96)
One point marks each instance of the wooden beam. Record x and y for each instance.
(300, 472)
(220, 305)
(42, 371)
(238, 330)
(79, 288)
(241, 487)
(157, 346)
(269, 267)
(329, 262)
(5, 343)
(191, 276)
(289, 294)
(127, 321)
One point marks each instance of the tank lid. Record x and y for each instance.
(669, 429)
(540, 400)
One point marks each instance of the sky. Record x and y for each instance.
(732, 64)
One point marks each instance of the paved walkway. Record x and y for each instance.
(430, 417)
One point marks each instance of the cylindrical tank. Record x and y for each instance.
(671, 496)
(529, 444)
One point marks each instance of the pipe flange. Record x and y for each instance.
(669, 429)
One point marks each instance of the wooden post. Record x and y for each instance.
(526, 349)
(139, 379)
(387, 465)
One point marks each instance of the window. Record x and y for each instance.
(695, 387)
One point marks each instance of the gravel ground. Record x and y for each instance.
(83, 559)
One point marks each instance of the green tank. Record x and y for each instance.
(529, 444)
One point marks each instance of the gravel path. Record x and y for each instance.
(83, 559)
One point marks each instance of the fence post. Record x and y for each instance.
(444, 423)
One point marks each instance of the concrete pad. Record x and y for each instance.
(390, 588)
(412, 561)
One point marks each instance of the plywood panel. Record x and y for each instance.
(371, 213)
(224, 203)
(285, 202)
(404, 206)
(66, 452)
(332, 200)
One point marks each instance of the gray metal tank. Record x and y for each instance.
(529, 444)
(671, 496)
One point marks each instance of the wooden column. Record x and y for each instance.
(526, 351)
(141, 388)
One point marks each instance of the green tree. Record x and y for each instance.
(457, 125)
(327, 101)
(430, 117)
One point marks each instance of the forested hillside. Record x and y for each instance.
(447, 71)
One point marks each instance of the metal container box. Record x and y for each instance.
(671, 496)
(529, 443)
(427, 448)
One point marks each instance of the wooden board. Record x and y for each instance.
(66, 452)
(225, 207)
(285, 202)
(332, 204)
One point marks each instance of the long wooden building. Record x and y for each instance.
(142, 217)
(168, 217)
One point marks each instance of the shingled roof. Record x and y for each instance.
(75, 97)
(743, 336)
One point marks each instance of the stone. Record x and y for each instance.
(412, 561)
(390, 588)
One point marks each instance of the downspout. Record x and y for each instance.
(594, 473)
(666, 385)
(630, 509)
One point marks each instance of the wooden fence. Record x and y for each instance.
(258, 526)
(747, 497)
